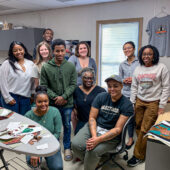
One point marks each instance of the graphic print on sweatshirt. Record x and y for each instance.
(146, 80)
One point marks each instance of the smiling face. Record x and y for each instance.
(83, 50)
(88, 79)
(18, 52)
(44, 52)
(128, 50)
(42, 102)
(59, 53)
(114, 89)
(147, 57)
(48, 36)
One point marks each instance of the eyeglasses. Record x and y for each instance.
(88, 78)
(147, 54)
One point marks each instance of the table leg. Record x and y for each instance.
(3, 160)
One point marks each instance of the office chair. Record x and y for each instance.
(119, 149)
(5, 164)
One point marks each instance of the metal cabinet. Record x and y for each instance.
(30, 37)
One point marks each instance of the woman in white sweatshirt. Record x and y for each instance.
(17, 81)
(149, 93)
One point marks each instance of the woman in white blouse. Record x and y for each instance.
(43, 55)
(17, 81)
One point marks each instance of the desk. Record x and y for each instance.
(27, 149)
(157, 153)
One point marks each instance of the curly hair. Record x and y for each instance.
(155, 54)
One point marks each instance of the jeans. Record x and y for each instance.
(131, 126)
(54, 162)
(66, 119)
(22, 104)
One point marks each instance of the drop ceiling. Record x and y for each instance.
(19, 6)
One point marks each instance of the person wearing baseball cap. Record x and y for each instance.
(109, 112)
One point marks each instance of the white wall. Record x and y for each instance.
(80, 22)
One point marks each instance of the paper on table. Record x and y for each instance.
(6, 137)
(43, 146)
(4, 112)
(27, 138)
(46, 136)
(13, 125)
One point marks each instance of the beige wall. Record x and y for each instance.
(80, 22)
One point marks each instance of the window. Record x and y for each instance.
(111, 35)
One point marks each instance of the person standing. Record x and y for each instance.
(82, 59)
(60, 77)
(149, 93)
(47, 37)
(17, 76)
(43, 55)
(126, 70)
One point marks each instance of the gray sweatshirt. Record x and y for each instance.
(151, 84)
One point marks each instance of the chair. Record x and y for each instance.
(119, 149)
(5, 164)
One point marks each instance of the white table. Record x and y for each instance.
(27, 149)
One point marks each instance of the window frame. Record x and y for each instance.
(99, 24)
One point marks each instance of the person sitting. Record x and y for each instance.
(50, 118)
(84, 96)
(109, 112)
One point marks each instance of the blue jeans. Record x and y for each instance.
(54, 162)
(66, 119)
(22, 104)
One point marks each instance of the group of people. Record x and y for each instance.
(65, 90)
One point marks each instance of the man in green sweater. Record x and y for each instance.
(60, 77)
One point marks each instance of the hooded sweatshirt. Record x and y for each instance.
(59, 80)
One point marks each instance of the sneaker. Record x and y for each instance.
(68, 156)
(134, 161)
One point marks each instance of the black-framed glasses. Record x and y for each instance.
(88, 78)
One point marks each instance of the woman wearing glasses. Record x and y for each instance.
(126, 70)
(149, 93)
(84, 96)
(81, 60)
